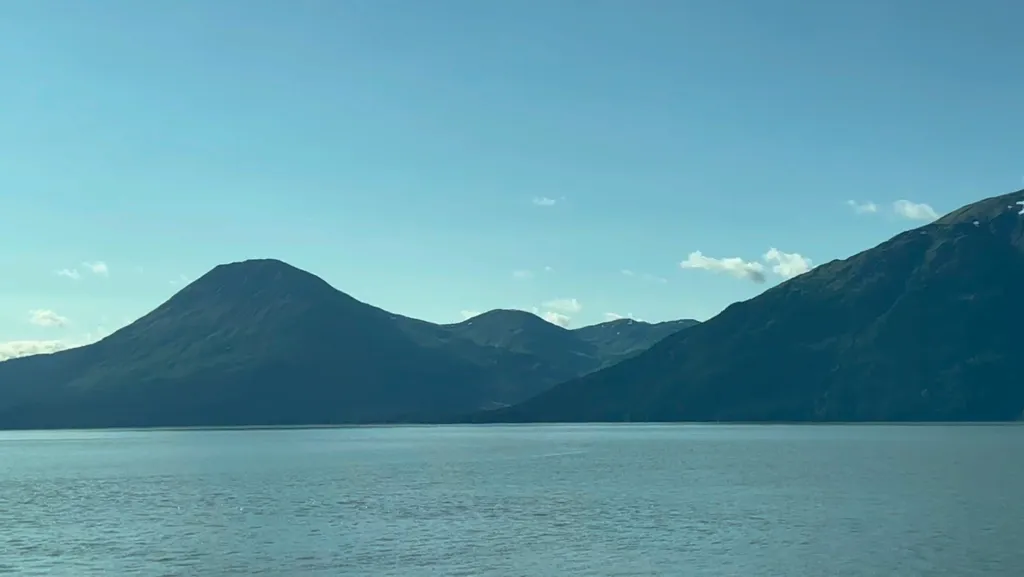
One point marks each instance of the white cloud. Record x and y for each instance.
(735, 266)
(522, 274)
(787, 264)
(564, 305)
(98, 268)
(862, 207)
(544, 201)
(548, 269)
(784, 264)
(466, 314)
(70, 273)
(557, 319)
(914, 211)
(46, 318)
(15, 349)
(628, 272)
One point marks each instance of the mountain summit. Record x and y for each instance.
(261, 342)
(925, 326)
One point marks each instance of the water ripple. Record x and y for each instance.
(515, 501)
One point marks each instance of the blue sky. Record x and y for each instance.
(446, 156)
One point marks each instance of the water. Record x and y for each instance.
(536, 501)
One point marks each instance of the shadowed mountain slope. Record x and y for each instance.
(926, 326)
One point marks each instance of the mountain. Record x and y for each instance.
(562, 353)
(261, 342)
(624, 338)
(926, 326)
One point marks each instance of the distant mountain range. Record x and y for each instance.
(263, 343)
(927, 326)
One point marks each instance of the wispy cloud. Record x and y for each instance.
(46, 318)
(182, 280)
(98, 268)
(557, 319)
(900, 208)
(862, 207)
(522, 274)
(914, 210)
(467, 314)
(564, 305)
(734, 266)
(784, 264)
(547, 202)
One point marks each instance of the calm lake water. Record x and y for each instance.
(531, 501)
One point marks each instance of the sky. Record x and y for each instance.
(584, 159)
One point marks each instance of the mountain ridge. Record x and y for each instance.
(922, 326)
(262, 342)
